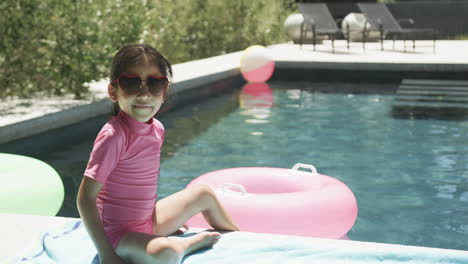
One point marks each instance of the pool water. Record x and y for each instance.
(410, 177)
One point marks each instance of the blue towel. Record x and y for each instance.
(71, 244)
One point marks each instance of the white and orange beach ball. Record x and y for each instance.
(257, 64)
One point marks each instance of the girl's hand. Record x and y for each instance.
(111, 259)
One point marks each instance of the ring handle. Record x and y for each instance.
(241, 188)
(297, 166)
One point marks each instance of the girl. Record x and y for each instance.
(117, 196)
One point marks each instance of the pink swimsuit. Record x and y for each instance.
(125, 158)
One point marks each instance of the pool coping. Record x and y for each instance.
(187, 76)
(374, 66)
(291, 61)
(25, 232)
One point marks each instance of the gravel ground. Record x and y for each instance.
(14, 109)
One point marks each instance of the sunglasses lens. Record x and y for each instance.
(157, 85)
(130, 85)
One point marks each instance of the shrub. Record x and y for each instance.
(56, 47)
(190, 30)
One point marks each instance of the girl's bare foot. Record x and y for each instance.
(199, 241)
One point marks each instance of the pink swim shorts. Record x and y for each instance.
(115, 232)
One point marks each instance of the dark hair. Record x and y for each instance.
(134, 55)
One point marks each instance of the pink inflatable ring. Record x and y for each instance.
(282, 201)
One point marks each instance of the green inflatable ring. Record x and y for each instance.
(29, 186)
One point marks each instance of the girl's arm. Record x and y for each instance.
(86, 203)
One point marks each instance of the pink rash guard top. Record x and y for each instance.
(125, 158)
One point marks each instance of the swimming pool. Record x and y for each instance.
(410, 177)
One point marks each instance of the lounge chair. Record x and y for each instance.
(380, 18)
(318, 18)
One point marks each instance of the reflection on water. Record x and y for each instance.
(256, 95)
(256, 99)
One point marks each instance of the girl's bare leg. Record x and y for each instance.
(141, 248)
(170, 214)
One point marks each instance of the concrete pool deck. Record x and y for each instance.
(25, 117)
(26, 235)
(449, 56)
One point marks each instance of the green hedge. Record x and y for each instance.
(56, 46)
